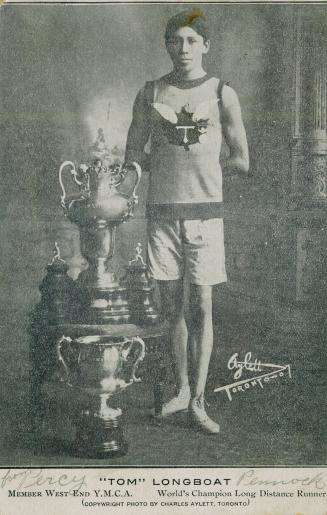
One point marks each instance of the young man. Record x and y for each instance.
(184, 115)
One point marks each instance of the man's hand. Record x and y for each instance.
(234, 133)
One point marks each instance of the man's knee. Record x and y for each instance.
(172, 305)
(200, 301)
(173, 313)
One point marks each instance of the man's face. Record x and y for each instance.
(186, 48)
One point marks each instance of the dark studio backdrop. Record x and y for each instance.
(61, 68)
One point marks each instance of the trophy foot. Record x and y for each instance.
(145, 318)
(109, 315)
(109, 306)
(107, 301)
(97, 438)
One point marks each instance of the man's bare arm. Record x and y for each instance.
(138, 133)
(234, 133)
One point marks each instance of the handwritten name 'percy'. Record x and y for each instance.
(29, 478)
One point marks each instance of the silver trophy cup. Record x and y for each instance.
(96, 368)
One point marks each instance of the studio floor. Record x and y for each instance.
(282, 423)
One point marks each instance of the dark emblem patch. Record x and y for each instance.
(185, 128)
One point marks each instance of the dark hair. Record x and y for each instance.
(194, 19)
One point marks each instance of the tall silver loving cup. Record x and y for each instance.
(98, 207)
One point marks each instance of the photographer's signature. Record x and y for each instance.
(247, 364)
(252, 365)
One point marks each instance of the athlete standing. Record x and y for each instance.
(185, 114)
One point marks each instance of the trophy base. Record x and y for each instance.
(97, 438)
(109, 306)
(144, 317)
(98, 426)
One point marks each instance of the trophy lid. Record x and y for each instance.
(137, 271)
(137, 261)
(57, 264)
(99, 150)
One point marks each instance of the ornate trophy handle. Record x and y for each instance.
(136, 168)
(129, 343)
(64, 340)
(62, 166)
(74, 173)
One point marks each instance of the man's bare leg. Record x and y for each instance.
(172, 300)
(201, 342)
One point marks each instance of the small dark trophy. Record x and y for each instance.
(141, 291)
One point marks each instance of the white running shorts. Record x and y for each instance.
(193, 249)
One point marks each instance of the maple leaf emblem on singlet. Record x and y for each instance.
(185, 128)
